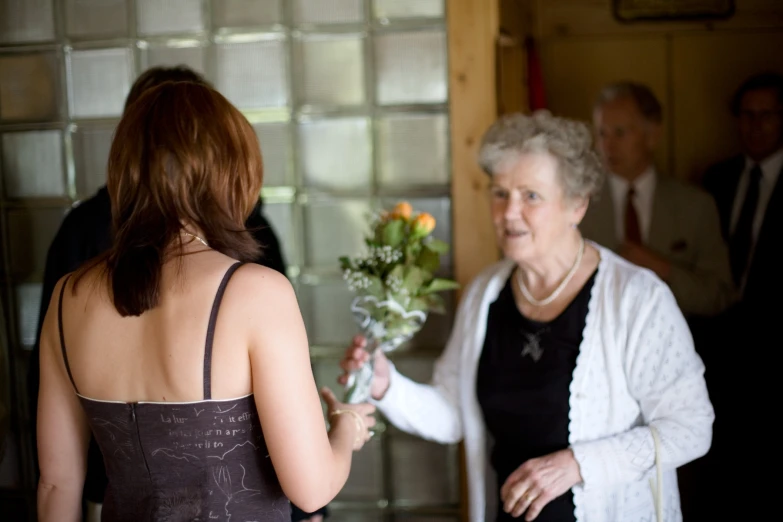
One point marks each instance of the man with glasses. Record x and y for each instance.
(748, 192)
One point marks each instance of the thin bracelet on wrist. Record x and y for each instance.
(360, 426)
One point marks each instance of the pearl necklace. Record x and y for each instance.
(554, 295)
(203, 242)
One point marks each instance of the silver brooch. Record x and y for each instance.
(532, 345)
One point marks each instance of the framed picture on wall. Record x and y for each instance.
(645, 10)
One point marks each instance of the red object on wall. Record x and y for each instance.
(535, 78)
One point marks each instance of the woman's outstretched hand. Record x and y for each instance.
(358, 416)
(356, 357)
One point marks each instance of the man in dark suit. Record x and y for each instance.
(743, 381)
(749, 194)
(86, 232)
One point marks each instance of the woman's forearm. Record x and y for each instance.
(313, 490)
(342, 437)
(59, 502)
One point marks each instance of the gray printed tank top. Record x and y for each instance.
(200, 461)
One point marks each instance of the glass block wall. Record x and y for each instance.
(349, 101)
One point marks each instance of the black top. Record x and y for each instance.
(201, 461)
(523, 387)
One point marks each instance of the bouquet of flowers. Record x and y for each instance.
(395, 285)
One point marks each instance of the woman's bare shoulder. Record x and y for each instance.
(264, 300)
(262, 286)
(261, 277)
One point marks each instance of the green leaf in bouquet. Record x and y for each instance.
(419, 303)
(428, 259)
(378, 314)
(376, 287)
(400, 326)
(345, 262)
(398, 272)
(439, 285)
(415, 278)
(435, 303)
(438, 246)
(404, 300)
(394, 232)
(412, 251)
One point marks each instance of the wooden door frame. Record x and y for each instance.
(472, 28)
(472, 51)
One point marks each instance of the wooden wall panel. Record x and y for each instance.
(594, 17)
(692, 66)
(706, 70)
(575, 70)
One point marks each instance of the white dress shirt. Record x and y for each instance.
(770, 171)
(644, 192)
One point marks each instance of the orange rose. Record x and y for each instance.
(402, 210)
(422, 225)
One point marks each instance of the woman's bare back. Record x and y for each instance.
(159, 355)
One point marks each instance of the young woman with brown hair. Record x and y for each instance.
(190, 367)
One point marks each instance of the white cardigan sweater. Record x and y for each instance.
(636, 368)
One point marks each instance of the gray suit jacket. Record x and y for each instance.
(684, 230)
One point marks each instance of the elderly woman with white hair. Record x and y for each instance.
(570, 373)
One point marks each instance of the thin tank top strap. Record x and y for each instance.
(211, 330)
(62, 335)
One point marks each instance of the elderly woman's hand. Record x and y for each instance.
(356, 357)
(539, 481)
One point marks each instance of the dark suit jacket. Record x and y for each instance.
(742, 344)
(764, 286)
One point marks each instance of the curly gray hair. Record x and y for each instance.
(568, 141)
